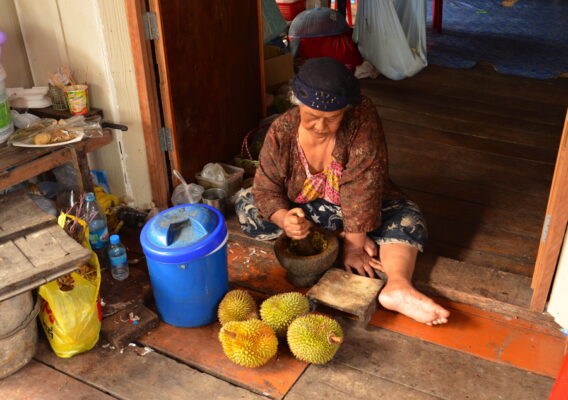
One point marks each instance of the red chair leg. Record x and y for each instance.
(437, 12)
(349, 13)
(560, 388)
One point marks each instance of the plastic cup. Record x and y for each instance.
(77, 99)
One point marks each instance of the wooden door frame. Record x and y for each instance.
(148, 95)
(557, 209)
(554, 228)
(148, 101)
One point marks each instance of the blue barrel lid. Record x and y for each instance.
(183, 233)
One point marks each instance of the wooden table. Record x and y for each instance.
(18, 164)
(33, 248)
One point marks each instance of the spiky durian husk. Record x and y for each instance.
(248, 343)
(280, 310)
(314, 338)
(237, 305)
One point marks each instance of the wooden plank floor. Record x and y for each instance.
(373, 363)
(476, 150)
(379, 364)
(394, 358)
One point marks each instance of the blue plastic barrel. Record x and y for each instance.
(186, 250)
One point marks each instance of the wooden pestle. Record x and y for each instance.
(305, 246)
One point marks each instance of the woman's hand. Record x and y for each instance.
(358, 260)
(358, 254)
(293, 221)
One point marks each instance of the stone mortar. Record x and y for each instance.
(305, 271)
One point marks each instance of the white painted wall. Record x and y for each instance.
(14, 58)
(91, 37)
(558, 304)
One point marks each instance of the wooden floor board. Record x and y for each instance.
(487, 145)
(483, 258)
(472, 128)
(338, 381)
(482, 237)
(423, 180)
(504, 168)
(512, 88)
(200, 347)
(477, 150)
(523, 107)
(134, 374)
(425, 103)
(38, 381)
(461, 211)
(431, 367)
(463, 100)
(479, 175)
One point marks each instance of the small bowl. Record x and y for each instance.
(305, 271)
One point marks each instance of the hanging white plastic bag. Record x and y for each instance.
(391, 34)
(186, 193)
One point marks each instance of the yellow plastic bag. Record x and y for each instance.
(71, 313)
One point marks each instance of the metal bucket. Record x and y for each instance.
(18, 332)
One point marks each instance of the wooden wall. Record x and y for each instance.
(14, 58)
(91, 36)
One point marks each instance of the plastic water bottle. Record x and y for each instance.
(98, 231)
(117, 257)
(6, 126)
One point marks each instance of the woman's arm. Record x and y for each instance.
(361, 191)
(293, 222)
(362, 180)
(269, 188)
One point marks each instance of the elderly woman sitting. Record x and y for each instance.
(325, 163)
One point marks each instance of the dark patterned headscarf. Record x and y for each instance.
(326, 84)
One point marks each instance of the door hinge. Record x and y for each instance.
(151, 25)
(165, 135)
(545, 228)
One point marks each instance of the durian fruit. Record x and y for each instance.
(280, 310)
(314, 338)
(248, 343)
(237, 305)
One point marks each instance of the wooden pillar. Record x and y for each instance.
(554, 228)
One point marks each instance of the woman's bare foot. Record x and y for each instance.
(401, 296)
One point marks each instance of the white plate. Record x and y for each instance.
(24, 144)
